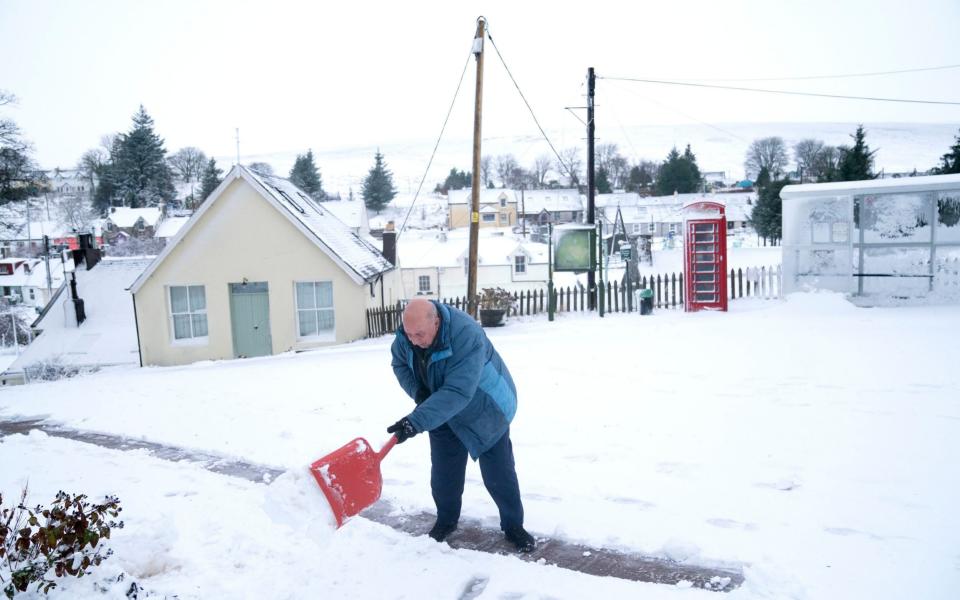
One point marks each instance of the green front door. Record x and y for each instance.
(250, 319)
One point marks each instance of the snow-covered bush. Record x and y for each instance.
(64, 539)
(50, 370)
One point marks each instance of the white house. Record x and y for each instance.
(435, 263)
(260, 268)
(661, 216)
(550, 206)
(24, 281)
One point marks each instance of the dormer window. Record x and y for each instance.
(520, 264)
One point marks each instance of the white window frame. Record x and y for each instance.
(326, 335)
(636, 227)
(503, 202)
(651, 228)
(520, 264)
(193, 340)
(421, 280)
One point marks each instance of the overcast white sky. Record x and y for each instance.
(332, 75)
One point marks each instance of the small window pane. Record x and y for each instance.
(324, 294)
(181, 327)
(199, 325)
(325, 320)
(198, 300)
(305, 296)
(178, 299)
(308, 322)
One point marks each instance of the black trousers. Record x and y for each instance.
(448, 458)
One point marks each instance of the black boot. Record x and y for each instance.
(440, 530)
(519, 537)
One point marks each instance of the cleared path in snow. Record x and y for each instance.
(471, 534)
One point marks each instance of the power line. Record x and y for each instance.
(840, 76)
(789, 93)
(435, 146)
(542, 132)
(683, 114)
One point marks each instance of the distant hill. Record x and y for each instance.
(901, 147)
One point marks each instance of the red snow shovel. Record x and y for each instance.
(350, 477)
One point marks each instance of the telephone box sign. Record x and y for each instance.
(705, 256)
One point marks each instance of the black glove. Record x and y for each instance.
(422, 394)
(403, 429)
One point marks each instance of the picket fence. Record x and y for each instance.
(752, 282)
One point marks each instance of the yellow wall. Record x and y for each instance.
(460, 215)
(242, 236)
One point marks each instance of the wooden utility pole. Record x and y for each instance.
(475, 195)
(591, 184)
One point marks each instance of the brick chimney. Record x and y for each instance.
(390, 243)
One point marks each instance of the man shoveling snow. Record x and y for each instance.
(466, 399)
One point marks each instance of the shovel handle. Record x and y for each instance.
(387, 447)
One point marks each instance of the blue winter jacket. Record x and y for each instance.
(470, 387)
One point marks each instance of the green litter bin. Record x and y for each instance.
(646, 302)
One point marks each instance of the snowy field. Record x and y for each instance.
(812, 441)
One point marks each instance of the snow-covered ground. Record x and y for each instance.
(810, 440)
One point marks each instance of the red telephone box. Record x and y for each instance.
(705, 256)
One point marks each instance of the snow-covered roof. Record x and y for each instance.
(487, 196)
(123, 216)
(447, 249)
(32, 273)
(874, 186)
(558, 200)
(668, 209)
(352, 213)
(170, 226)
(360, 259)
(107, 337)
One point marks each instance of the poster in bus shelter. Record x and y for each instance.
(574, 248)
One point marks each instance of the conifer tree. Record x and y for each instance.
(679, 173)
(767, 214)
(950, 162)
(378, 188)
(210, 180)
(856, 163)
(603, 182)
(140, 173)
(306, 176)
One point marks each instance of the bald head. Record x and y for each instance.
(421, 322)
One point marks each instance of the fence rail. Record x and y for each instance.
(752, 282)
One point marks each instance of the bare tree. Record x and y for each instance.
(9, 131)
(805, 153)
(261, 167)
(541, 166)
(486, 170)
(506, 164)
(825, 163)
(571, 165)
(605, 153)
(618, 171)
(74, 212)
(188, 163)
(769, 152)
